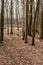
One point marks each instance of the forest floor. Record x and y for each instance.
(13, 50)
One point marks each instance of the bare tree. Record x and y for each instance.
(17, 13)
(2, 20)
(34, 23)
(7, 17)
(11, 17)
(30, 24)
(41, 34)
(26, 30)
(23, 32)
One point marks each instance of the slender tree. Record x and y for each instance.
(0, 24)
(30, 24)
(37, 20)
(23, 32)
(7, 17)
(26, 31)
(17, 13)
(2, 20)
(11, 17)
(41, 34)
(34, 23)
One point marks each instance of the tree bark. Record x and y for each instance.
(11, 18)
(30, 18)
(7, 17)
(2, 21)
(26, 30)
(33, 37)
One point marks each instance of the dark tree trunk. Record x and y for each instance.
(11, 18)
(33, 37)
(2, 21)
(30, 18)
(41, 25)
(26, 32)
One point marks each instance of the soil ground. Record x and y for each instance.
(13, 50)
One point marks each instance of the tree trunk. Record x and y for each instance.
(41, 25)
(2, 21)
(17, 12)
(34, 23)
(7, 17)
(11, 18)
(41, 34)
(26, 30)
(30, 18)
(23, 33)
